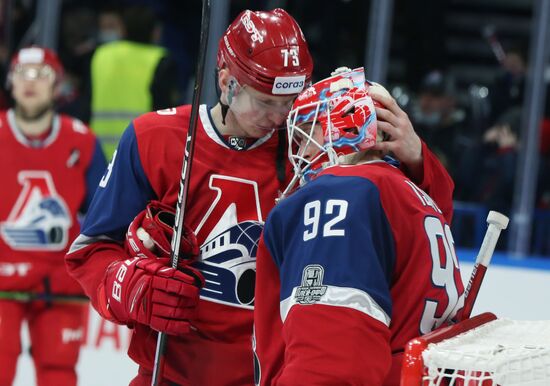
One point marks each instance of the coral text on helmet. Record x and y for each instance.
(255, 35)
(285, 85)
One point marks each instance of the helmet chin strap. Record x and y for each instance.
(230, 94)
(225, 109)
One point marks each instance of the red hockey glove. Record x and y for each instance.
(150, 234)
(148, 291)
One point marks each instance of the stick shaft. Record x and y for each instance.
(480, 267)
(160, 351)
(46, 297)
(472, 291)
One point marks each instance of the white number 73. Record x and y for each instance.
(293, 54)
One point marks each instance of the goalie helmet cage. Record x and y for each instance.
(481, 351)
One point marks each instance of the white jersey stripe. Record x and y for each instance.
(342, 297)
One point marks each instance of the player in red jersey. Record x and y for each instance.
(51, 166)
(343, 282)
(238, 171)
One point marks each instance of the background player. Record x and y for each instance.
(352, 279)
(238, 171)
(51, 166)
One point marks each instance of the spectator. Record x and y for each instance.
(507, 89)
(77, 45)
(493, 163)
(440, 122)
(51, 166)
(129, 76)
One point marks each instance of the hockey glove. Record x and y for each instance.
(150, 234)
(146, 289)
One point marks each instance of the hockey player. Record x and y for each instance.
(239, 168)
(357, 261)
(51, 166)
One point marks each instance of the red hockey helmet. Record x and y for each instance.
(267, 51)
(36, 55)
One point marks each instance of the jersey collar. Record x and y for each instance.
(34, 143)
(214, 134)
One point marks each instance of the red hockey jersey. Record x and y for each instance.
(233, 186)
(46, 183)
(350, 268)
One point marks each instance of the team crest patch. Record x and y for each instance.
(40, 219)
(312, 288)
(229, 264)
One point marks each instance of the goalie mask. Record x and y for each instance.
(332, 118)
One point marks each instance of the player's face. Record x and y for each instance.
(33, 88)
(258, 113)
(310, 139)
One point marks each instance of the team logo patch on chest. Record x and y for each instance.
(229, 264)
(39, 219)
(312, 288)
(231, 229)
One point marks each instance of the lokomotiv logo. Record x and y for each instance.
(284, 85)
(40, 219)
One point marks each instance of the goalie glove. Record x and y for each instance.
(145, 289)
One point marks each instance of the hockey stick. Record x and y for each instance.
(160, 352)
(497, 222)
(26, 297)
(489, 33)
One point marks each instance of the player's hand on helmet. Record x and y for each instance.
(145, 289)
(401, 140)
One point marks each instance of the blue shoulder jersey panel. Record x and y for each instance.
(333, 232)
(123, 192)
(96, 168)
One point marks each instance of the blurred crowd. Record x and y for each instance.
(477, 135)
(479, 146)
(475, 130)
(87, 25)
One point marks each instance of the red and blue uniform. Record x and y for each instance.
(351, 267)
(232, 189)
(47, 183)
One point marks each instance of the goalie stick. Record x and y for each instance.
(160, 351)
(496, 223)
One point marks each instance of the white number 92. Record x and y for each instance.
(312, 216)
